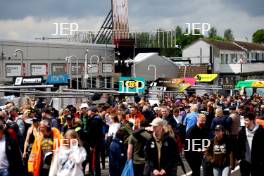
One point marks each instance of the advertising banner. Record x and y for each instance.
(39, 69)
(131, 85)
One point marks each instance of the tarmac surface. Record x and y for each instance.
(235, 172)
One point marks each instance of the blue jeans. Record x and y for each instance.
(225, 171)
(4, 172)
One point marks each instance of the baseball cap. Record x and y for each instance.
(232, 108)
(156, 109)
(84, 105)
(219, 127)
(157, 121)
(69, 117)
(93, 108)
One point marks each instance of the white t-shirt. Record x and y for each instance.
(178, 119)
(4, 164)
(68, 162)
(113, 129)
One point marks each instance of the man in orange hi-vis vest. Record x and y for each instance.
(42, 150)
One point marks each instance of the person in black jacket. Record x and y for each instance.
(167, 116)
(11, 163)
(117, 154)
(194, 150)
(95, 133)
(162, 154)
(251, 147)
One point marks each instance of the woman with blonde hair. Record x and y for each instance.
(220, 119)
(69, 157)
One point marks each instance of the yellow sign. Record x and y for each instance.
(132, 84)
(183, 87)
(258, 84)
(205, 77)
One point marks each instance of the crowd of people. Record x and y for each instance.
(212, 131)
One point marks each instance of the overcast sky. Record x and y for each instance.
(28, 19)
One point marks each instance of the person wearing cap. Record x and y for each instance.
(162, 153)
(84, 137)
(32, 134)
(193, 142)
(157, 111)
(250, 147)
(84, 116)
(68, 124)
(220, 153)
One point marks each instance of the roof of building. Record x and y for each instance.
(51, 42)
(140, 57)
(250, 46)
(144, 56)
(223, 45)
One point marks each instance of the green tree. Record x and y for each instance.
(258, 36)
(228, 35)
(178, 31)
(212, 33)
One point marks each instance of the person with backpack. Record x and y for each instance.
(136, 145)
(117, 154)
(220, 119)
(14, 115)
(11, 163)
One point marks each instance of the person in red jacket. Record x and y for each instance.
(135, 117)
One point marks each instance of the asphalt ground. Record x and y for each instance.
(235, 172)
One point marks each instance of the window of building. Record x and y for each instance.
(226, 59)
(108, 82)
(222, 59)
(93, 82)
(233, 58)
(253, 56)
(105, 82)
(257, 56)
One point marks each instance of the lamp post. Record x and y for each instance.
(155, 70)
(68, 61)
(77, 68)
(185, 68)
(22, 59)
(85, 68)
(98, 60)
